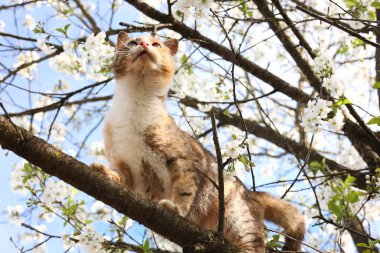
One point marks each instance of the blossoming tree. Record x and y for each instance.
(294, 87)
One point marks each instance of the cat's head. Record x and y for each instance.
(145, 55)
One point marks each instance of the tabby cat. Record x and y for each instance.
(150, 155)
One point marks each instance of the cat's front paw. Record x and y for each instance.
(167, 203)
(105, 171)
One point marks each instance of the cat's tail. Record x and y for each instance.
(285, 215)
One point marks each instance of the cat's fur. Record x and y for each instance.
(150, 155)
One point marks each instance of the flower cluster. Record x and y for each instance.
(333, 86)
(187, 85)
(58, 132)
(373, 182)
(22, 175)
(2, 26)
(25, 58)
(46, 49)
(97, 150)
(233, 148)
(90, 241)
(323, 65)
(314, 114)
(17, 177)
(14, 214)
(55, 191)
(29, 22)
(90, 59)
(351, 159)
(194, 8)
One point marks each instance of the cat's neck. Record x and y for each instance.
(141, 97)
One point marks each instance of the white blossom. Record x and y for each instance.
(90, 241)
(58, 132)
(2, 26)
(17, 177)
(194, 8)
(55, 191)
(323, 64)
(117, 4)
(336, 123)
(333, 85)
(233, 149)
(356, 23)
(41, 44)
(14, 214)
(29, 22)
(101, 211)
(314, 114)
(68, 244)
(87, 59)
(97, 150)
(27, 57)
(33, 236)
(351, 159)
(41, 101)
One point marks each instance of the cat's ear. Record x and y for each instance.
(122, 37)
(172, 44)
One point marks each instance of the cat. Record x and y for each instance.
(150, 155)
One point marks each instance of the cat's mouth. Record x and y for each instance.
(144, 52)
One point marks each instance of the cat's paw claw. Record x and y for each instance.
(105, 171)
(167, 203)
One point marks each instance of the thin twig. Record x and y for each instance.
(339, 26)
(220, 175)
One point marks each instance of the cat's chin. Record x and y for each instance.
(144, 56)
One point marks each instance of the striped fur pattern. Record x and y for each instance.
(150, 155)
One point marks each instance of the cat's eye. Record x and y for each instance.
(155, 44)
(132, 43)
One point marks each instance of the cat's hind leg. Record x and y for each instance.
(183, 190)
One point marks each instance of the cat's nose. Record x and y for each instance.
(144, 44)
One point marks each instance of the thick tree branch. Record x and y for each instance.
(80, 176)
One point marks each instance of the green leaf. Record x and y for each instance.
(343, 101)
(39, 28)
(343, 49)
(184, 58)
(375, 5)
(63, 30)
(350, 3)
(374, 120)
(350, 180)
(353, 197)
(334, 208)
(376, 85)
(372, 15)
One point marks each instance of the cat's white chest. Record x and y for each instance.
(128, 118)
